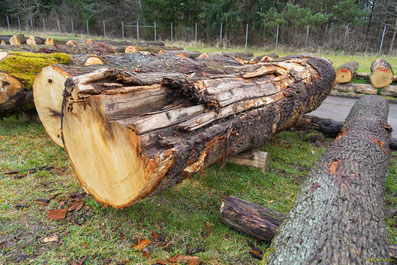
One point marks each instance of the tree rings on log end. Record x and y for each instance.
(93, 60)
(11, 89)
(381, 77)
(47, 92)
(130, 49)
(107, 159)
(343, 75)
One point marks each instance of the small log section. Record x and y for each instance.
(251, 219)
(338, 216)
(258, 221)
(252, 158)
(381, 73)
(128, 135)
(345, 72)
(17, 73)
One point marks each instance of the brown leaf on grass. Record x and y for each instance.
(75, 206)
(50, 239)
(255, 253)
(142, 244)
(56, 215)
(189, 260)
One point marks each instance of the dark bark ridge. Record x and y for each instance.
(338, 215)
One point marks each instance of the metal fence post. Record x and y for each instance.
(31, 24)
(137, 29)
(72, 25)
(383, 38)
(307, 35)
(44, 25)
(59, 25)
(8, 23)
(278, 29)
(104, 28)
(246, 36)
(172, 32)
(88, 29)
(195, 31)
(155, 31)
(19, 24)
(221, 35)
(122, 29)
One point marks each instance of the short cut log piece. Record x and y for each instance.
(345, 72)
(338, 215)
(128, 135)
(381, 73)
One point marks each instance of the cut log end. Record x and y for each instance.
(93, 60)
(11, 89)
(47, 92)
(49, 41)
(71, 43)
(343, 75)
(130, 49)
(381, 77)
(124, 174)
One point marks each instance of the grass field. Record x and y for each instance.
(185, 218)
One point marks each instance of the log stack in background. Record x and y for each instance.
(129, 134)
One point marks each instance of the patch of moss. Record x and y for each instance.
(25, 65)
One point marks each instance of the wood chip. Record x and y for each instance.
(57, 215)
(142, 244)
(50, 239)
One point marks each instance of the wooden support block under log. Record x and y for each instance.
(381, 73)
(338, 215)
(18, 39)
(258, 221)
(129, 135)
(252, 158)
(17, 73)
(345, 72)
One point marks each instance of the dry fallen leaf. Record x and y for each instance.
(57, 215)
(76, 206)
(255, 253)
(50, 239)
(189, 260)
(142, 244)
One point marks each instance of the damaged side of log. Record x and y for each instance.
(17, 73)
(128, 136)
(338, 215)
(345, 72)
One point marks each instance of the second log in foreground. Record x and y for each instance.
(128, 135)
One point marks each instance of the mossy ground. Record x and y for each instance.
(187, 214)
(25, 66)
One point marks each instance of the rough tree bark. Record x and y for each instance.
(17, 73)
(338, 216)
(381, 73)
(128, 135)
(345, 72)
(95, 48)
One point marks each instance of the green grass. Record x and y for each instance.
(187, 215)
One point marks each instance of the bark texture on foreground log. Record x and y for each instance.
(128, 135)
(251, 219)
(345, 72)
(381, 73)
(49, 84)
(338, 216)
(17, 73)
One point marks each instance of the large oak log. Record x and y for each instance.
(128, 135)
(17, 73)
(338, 216)
(381, 73)
(345, 72)
(49, 84)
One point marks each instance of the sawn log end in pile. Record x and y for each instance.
(131, 134)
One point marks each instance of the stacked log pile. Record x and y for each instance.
(380, 79)
(130, 134)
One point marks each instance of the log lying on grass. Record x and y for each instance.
(338, 216)
(258, 221)
(17, 73)
(345, 72)
(128, 135)
(381, 73)
(49, 84)
(95, 48)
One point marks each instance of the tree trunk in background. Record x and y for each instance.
(338, 216)
(131, 138)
